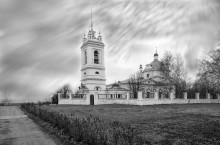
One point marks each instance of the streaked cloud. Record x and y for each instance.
(40, 40)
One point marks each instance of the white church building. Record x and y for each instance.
(94, 91)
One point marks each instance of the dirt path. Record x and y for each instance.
(17, 129)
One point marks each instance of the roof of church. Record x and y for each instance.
(155, 65)
(116, 86)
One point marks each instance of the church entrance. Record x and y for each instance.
(91, 99)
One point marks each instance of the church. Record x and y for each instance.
(147, 87)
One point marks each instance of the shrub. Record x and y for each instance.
(88, 130)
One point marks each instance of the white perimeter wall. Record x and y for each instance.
(138, 101)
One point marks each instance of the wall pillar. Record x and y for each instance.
(208, 96)
(156, 96)
(218, 96)
(140, 98)
(197, 96)
(96, 98)
(59, 96)
(128, 96)
(88, 99)
(185, 95)
(140, 95)
(172, 96)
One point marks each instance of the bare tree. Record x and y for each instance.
(135, 83)
(179, 76)
(173, 73)
(166, 73)
(208, 76)
(64, 90)
(81, 91)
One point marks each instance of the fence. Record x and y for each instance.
(112, 96)
(191, 95)
(140, 98)
(133, 95)
(148, 95)
(163, 95)
(213, 96)
(78, 96)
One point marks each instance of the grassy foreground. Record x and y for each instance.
(159, 124)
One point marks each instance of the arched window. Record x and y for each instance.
(96, 57)
(85, 56)
(97, 72)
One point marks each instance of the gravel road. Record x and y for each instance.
(17, 129)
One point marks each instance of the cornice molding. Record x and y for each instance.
(92, 67)
(100, 79)
(93, 43)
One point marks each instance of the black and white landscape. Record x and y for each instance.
(109, 72)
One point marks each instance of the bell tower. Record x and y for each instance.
(92, 61)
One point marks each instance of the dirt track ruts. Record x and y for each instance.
(17, 129)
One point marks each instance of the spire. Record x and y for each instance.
(156, 55)
(91, 22)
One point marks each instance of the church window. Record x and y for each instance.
(160, 95)
(96, 57)
(148, 82)
(97, 72)
(84, 73)
(85, 56)
(148, 94)
(148, 75)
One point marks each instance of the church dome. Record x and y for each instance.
(156, 64)
(115, 85)
(155, 54)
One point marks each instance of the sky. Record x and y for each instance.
(40, 39)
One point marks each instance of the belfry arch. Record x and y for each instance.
(96, 57)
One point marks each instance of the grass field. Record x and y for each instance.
(160, 124)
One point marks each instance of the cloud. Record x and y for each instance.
(40, 40)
